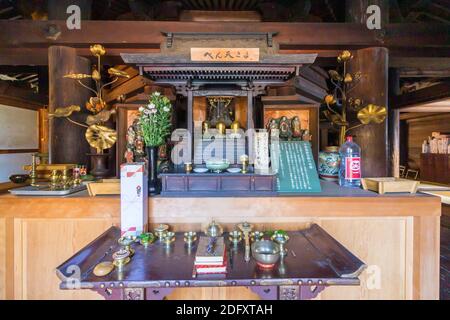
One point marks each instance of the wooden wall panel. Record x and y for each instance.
(381, 244)
(3, 259)
(41, 245)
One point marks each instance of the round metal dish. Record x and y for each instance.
(200, 170)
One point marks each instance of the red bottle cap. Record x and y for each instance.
(349, 139)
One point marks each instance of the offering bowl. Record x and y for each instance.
(266, 253)
(217, 165)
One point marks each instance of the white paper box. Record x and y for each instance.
(133, 199)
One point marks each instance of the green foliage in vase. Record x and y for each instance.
(155, 120)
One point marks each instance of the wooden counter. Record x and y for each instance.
(396, 235)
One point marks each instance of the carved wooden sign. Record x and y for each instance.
(225, 54)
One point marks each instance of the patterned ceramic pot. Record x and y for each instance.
(329, 163)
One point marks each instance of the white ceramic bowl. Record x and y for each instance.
(200, 170)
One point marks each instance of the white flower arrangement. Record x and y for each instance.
(155, 120)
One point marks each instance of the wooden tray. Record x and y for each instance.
(390, 184)
(104, 187)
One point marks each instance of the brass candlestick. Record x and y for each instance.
(54, 180)
(33, 173)
(246, 228)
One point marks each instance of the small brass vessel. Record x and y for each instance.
(214, 230)
(121, 258)
(281, 239)
(235, 126)
(169, 237)
(126, 243)
(257, 235)
(160, 231)
(190, 237)
(188, 167)
(146, 239)
(235, 236)
(244, 161)
(221, 127)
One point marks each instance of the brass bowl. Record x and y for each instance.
(266, 253)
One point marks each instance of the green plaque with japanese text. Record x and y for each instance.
(296, 170)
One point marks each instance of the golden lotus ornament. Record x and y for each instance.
(335, 75)
(95, 104)
(372, 113)
(97, 50)
(100, 137)
(64, 111)
(344, 56)
(348, 78)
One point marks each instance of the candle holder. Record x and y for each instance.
(169, 237)
(126, 242)
(244, 160)
(188, 167)
(256, 235)
(281, 239)
(235, 237)
(190, 237)
(121, 258)
(161, 230)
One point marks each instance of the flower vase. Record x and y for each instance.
(153, 181)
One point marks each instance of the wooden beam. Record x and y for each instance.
(126, 88)
(145, 34)
(434, 93)
(21, 97)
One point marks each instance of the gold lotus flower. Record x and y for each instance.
(335, 75)
(372, 113)
(335, 118)
(329, 99)
(98, 50)
(77, 76)
(95, 104)
(118, 73)
(100, 137)
(348, 78)
(96, 75)
(344, 56)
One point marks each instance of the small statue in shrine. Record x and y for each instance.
(285, 128)
(129, 153)
(296, 128)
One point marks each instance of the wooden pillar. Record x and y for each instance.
(394, 124)
(67, 141)
(250, 113)
(373, 88)
(190, 120)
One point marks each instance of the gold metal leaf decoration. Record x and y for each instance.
(101, 137)
(348, 78)
(97, 50)
(118, 73)
(77, 76)
(64, 111)
(372, 113)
